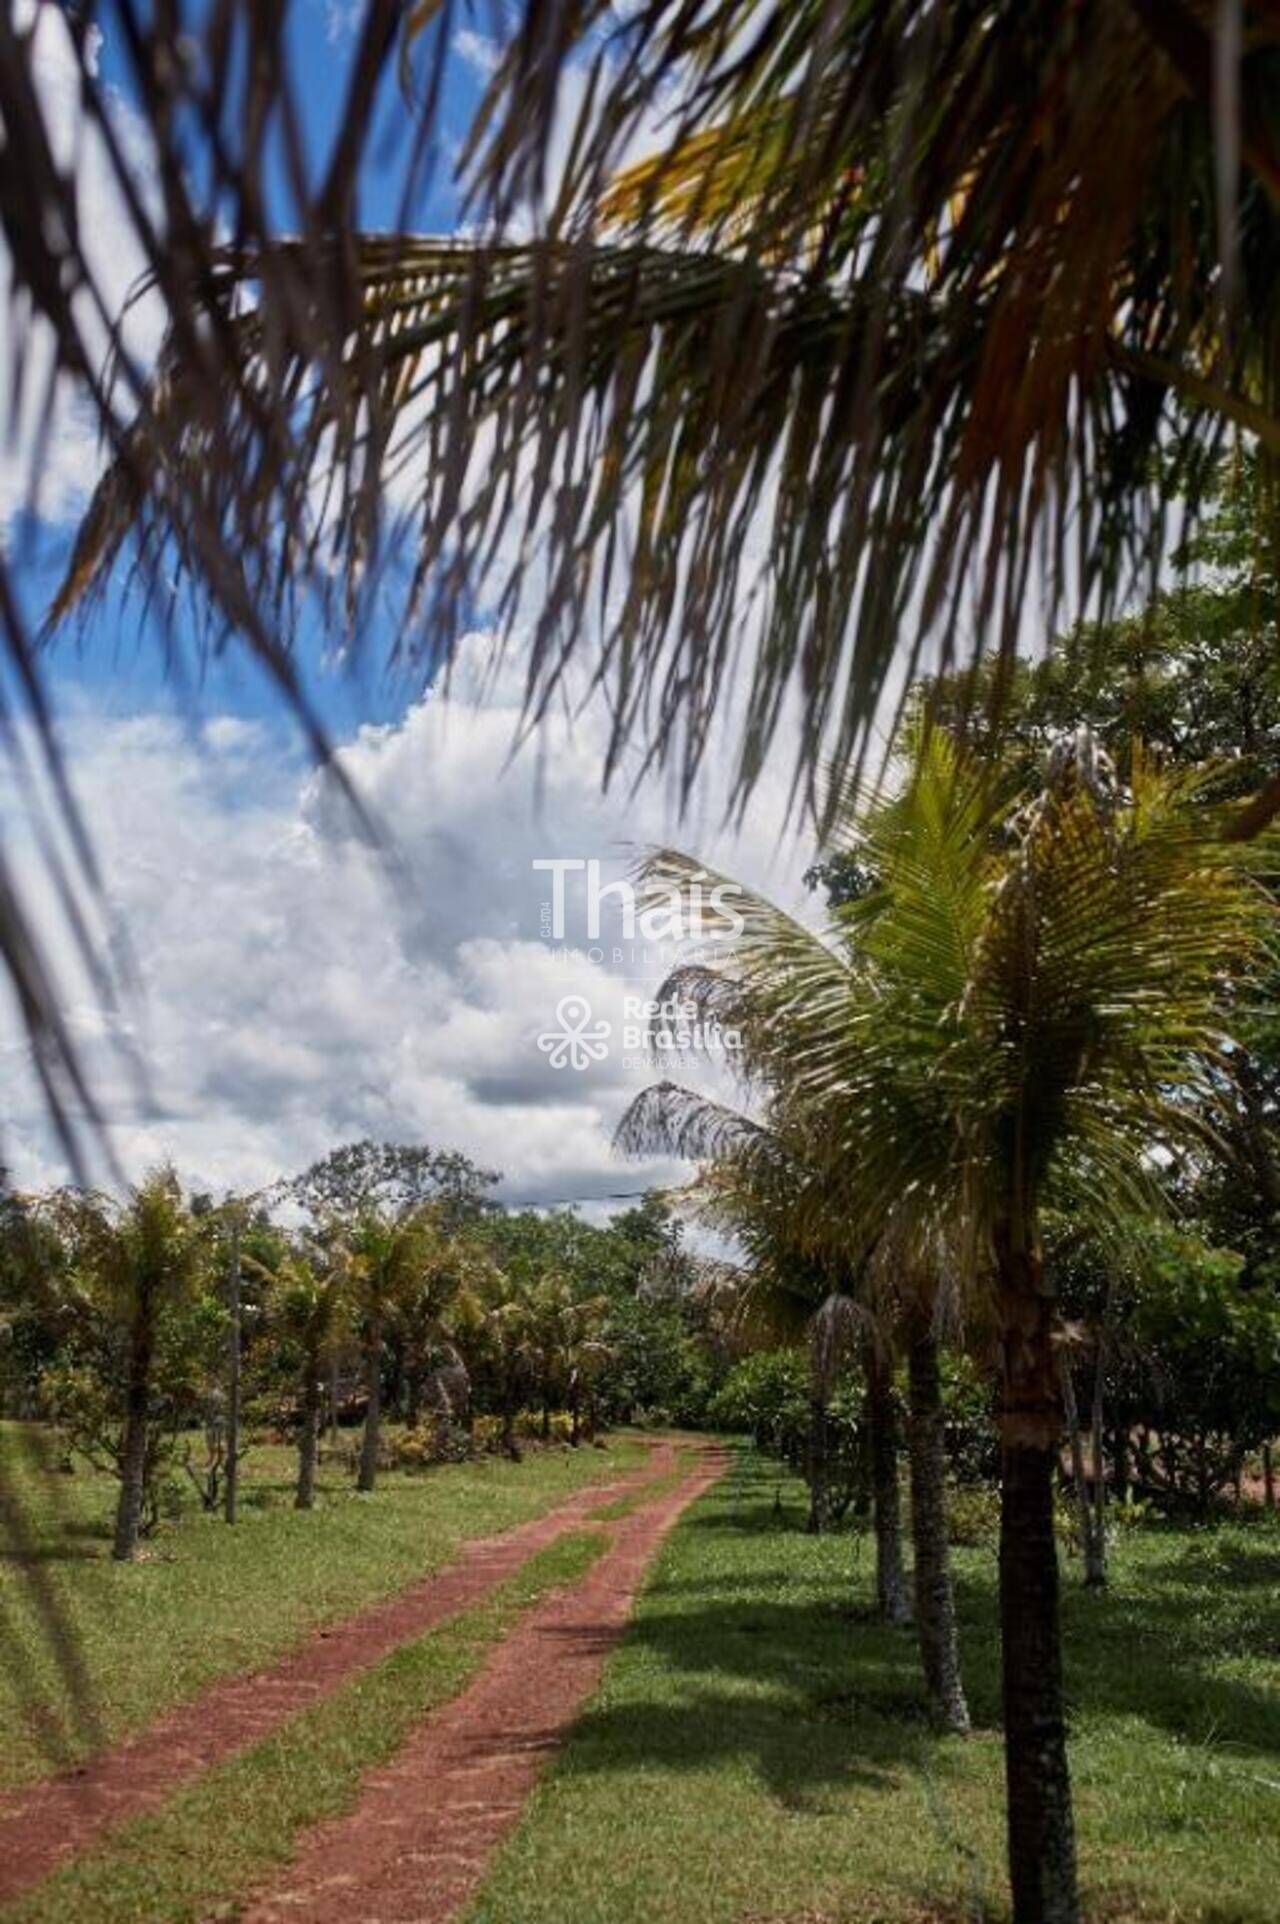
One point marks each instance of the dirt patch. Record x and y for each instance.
(44, 1825)
(418, 1842)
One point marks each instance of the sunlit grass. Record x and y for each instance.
(226, 1832)
(208, 1599)
(759, 1752)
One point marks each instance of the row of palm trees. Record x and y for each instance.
(451, 1308)
(1026, 1005)
(132, 1297)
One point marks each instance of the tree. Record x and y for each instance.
(566, 1347)
(311, 1308)
(1190, 1358)
(1193, 677)
(135, 1276)
(424, 1321)
(911, 1287)
(396, 1177)
(900, 318)
(388, 1257)
(1038, 1001)
(764, 1183)
(494, 1321)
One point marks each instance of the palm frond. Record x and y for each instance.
(667, 1119)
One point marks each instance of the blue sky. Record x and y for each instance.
(115, 656)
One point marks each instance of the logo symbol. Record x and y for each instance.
(572, 1042)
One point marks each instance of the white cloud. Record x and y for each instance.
(71, 455)
(298, 989)
(479, 51)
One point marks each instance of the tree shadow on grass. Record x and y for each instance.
(766, 1676)
(815, 1696)
(1156, 1665)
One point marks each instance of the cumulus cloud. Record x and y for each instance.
(297, 987)
(70, 453)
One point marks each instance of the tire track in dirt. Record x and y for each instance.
(47, 1823)
(418, 1841)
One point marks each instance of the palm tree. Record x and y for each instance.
(389, 1253)
(1032, 999)
(759, 1186)
(880, 311)
(756, 1185)
(424, 1318)
(920, 1306)
(495, 1325)
(141, 1259)
(311, 1290)
(565, 1344)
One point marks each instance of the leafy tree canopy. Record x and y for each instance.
(387, 1176)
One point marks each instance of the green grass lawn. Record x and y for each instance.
(758, 1752)
(207, 1599)
(224, 1834)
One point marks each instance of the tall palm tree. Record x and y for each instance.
(810, 1269)
(140, 1259)
(495, 1325)
(1035, 996)
(389, 1252)
(311, 1304)
(909, 1287)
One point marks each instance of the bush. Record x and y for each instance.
(429, 1443)
(530, 1427)
(973, 1449)
(973, 1515)
(767, 1396)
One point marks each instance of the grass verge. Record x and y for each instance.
(222, 1835)
(208, 1600)
(758, 1754)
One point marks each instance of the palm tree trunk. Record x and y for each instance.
(935, 1596)
(309, 1440)
(1042, 1865)
(372, 1437)
(892, 1597)
(133, 1455)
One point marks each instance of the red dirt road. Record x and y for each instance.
(59, 1818)
(416, 1845)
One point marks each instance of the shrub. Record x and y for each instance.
(767, 1395)
(426, 1444)
(973, 1514)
